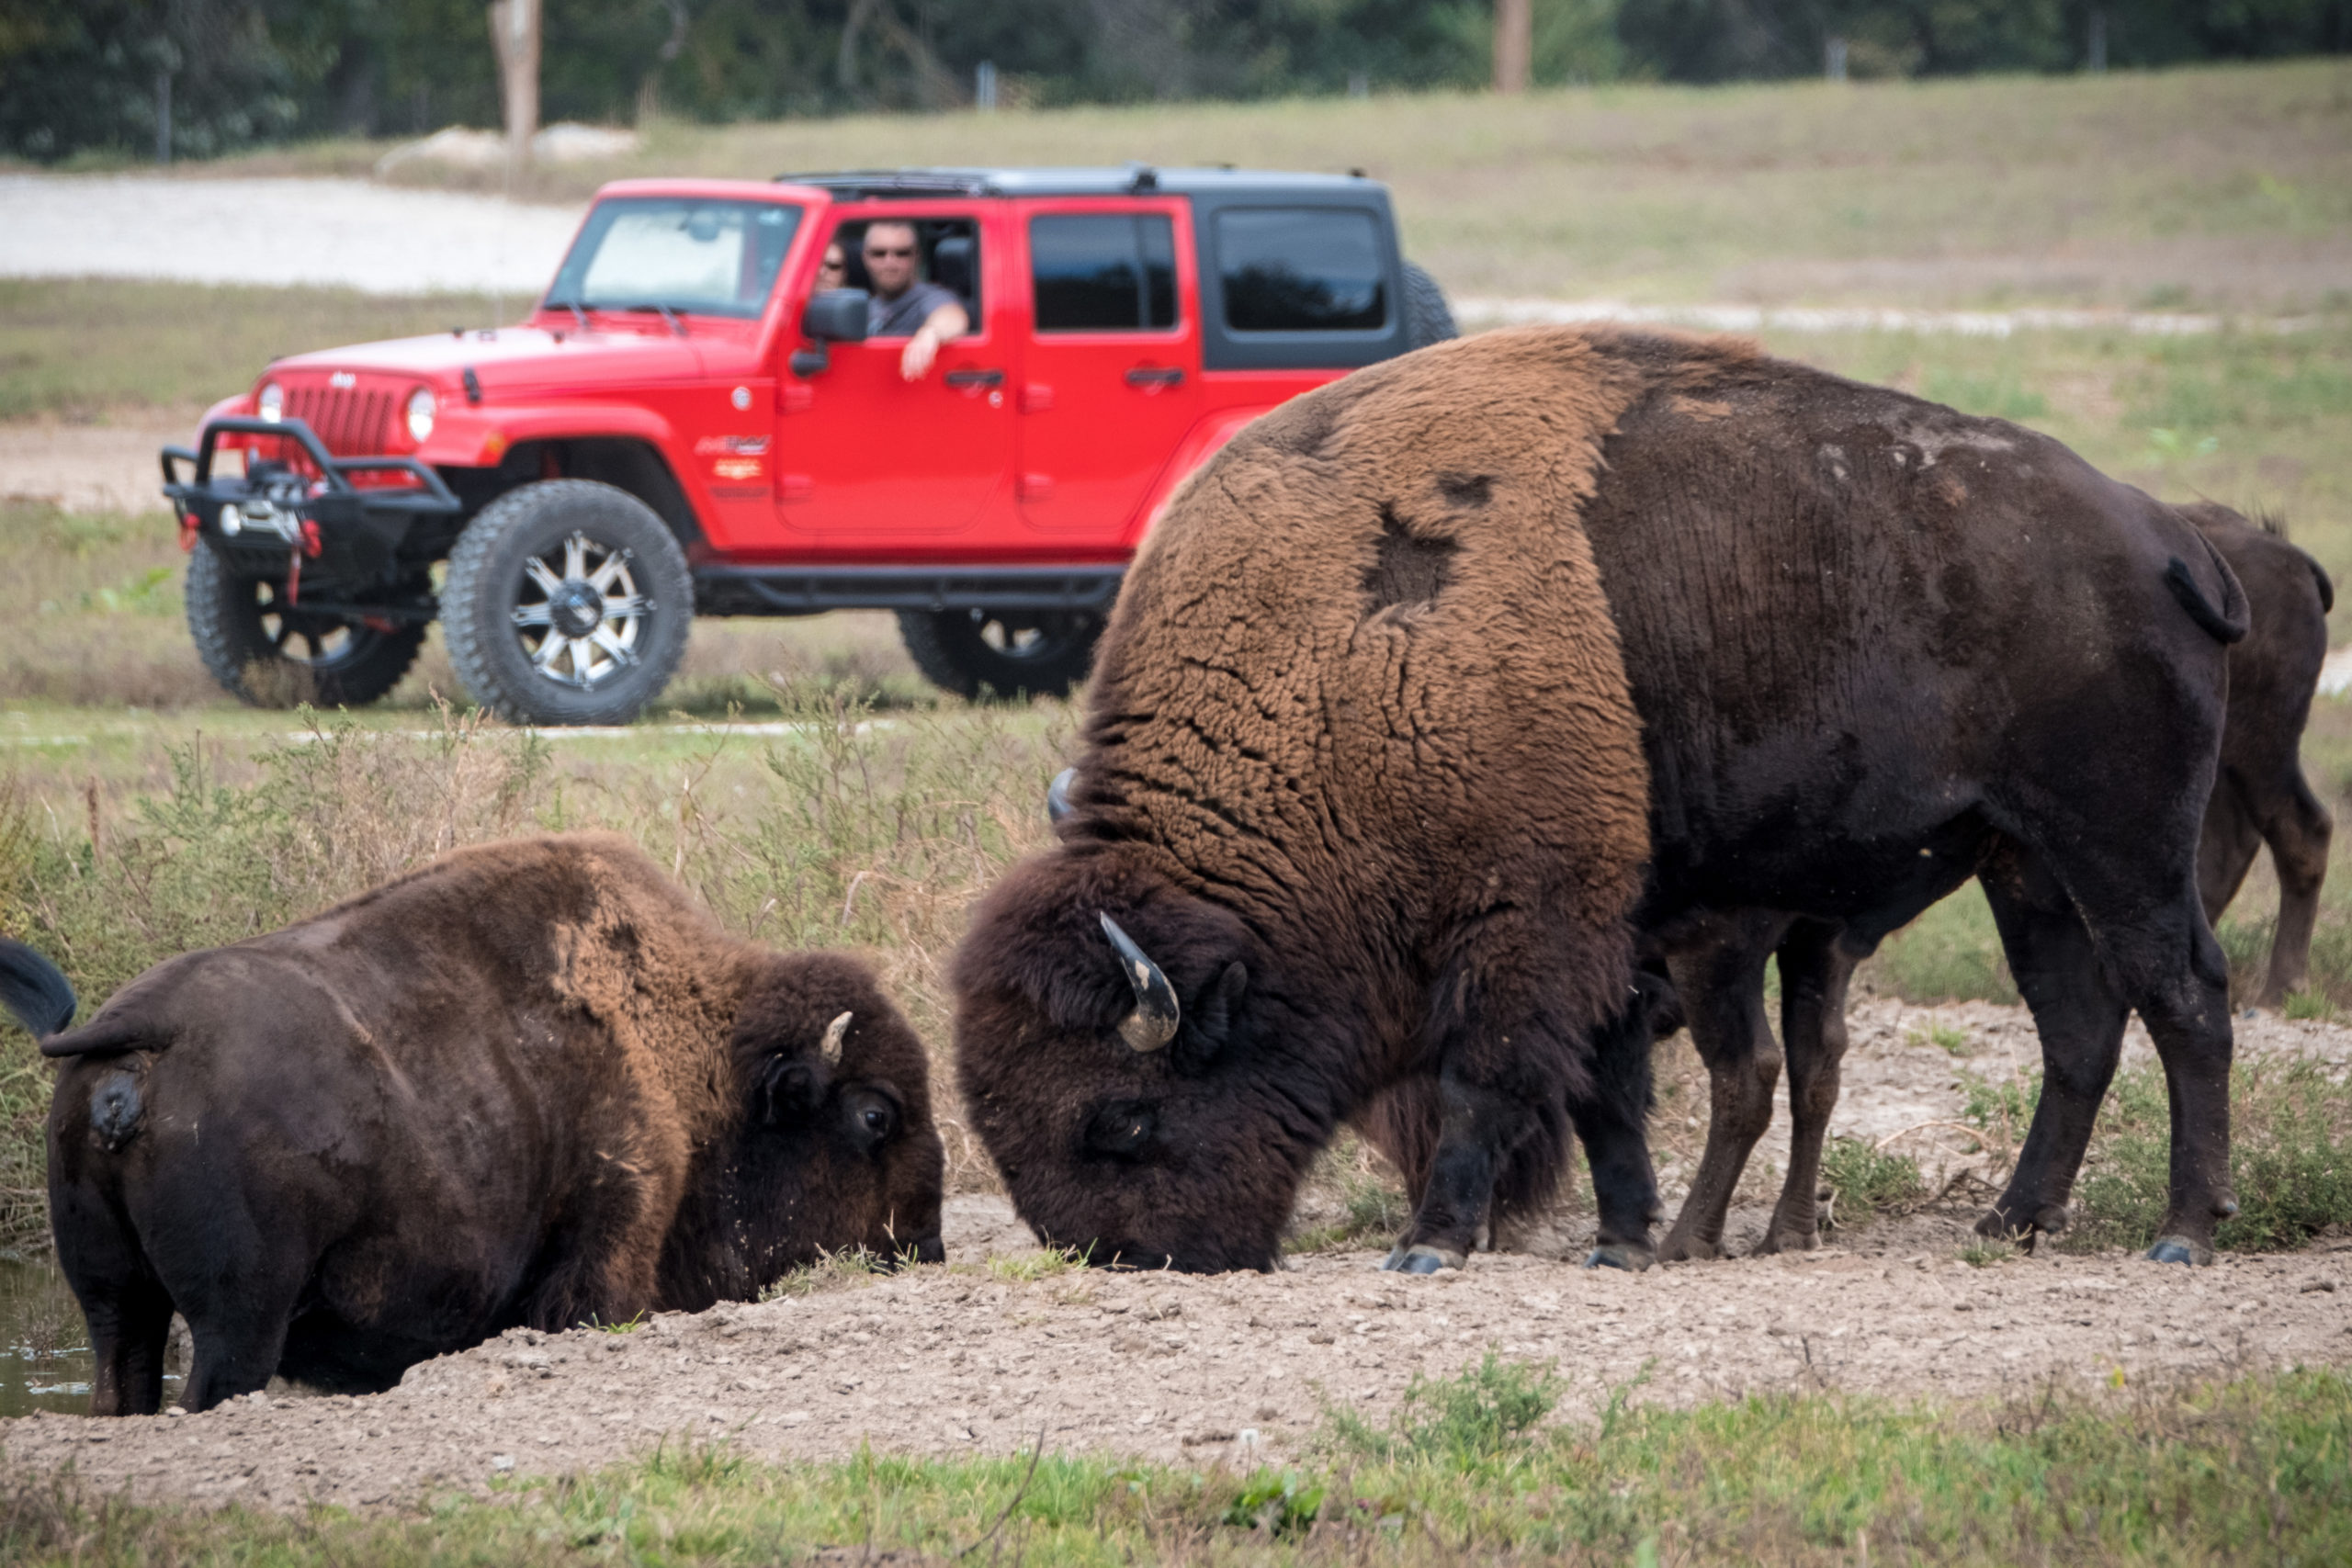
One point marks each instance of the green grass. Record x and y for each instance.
(1468, 1470)
(84, 348)
(2290, 1155)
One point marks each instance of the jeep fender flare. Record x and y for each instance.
(480, 438)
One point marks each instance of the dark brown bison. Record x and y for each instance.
(1361, 800)
(1877, 648)
(531, 1084)
(2261, 796)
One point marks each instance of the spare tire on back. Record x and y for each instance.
(1428, 318)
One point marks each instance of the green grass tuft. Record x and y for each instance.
(1866, 1179)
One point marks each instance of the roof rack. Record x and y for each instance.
(863, 182)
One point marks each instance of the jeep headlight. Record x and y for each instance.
(420, 409)
(271, 404)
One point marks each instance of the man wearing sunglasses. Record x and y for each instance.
(903, 305)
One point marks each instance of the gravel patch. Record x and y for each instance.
(344, 233)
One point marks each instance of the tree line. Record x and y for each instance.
(79, 75)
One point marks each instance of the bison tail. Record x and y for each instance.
(102, 1035)
(35, 991)
(2227, 625)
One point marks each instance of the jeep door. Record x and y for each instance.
(870, 464)
(1111, 367)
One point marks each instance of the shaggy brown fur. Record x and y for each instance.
(1879, 646)
(1362, 777)
(530, 1084)
(2261, 796)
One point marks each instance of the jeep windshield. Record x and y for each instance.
(675, 253)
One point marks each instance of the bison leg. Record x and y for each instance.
(1476, 1129)
(1815, 969)
(1611, 1124)
(2299, 838)
(237, 1287)
(2080, 1017)
(128, 1310)
(2226, 846)
(1723, 992)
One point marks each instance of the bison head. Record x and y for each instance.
(1129, 1060)
(827, 1146)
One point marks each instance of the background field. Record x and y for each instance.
(2217, 188)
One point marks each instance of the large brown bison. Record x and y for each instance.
(1362, 799)
(530, 1084)
(2259, 795)
(1877, 648)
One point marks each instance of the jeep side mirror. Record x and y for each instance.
(835, 315)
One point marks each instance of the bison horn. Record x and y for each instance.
(1057, 795)
(1153, 1024)
(836, 1033)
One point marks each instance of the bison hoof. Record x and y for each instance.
(2179, 1249)
(1997, 1226)
(1422, 1261)
(1619, 1255)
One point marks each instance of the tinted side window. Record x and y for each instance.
(1107, 273)
(1308, 270)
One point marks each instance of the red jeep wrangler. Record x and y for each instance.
(688, 424)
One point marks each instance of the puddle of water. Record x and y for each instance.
(45, 1349)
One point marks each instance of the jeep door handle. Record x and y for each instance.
(974, 377)
(1154, 375)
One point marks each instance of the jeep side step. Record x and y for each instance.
(813, 589)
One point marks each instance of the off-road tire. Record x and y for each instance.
(1428, 318)
(227, 615)
(952, 649)
(488, 581)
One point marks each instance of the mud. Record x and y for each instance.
(979, 1357)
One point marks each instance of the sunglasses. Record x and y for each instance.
(879, 255)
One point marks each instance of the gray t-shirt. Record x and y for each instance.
(904, 316)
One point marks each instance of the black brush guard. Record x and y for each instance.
(353, 536)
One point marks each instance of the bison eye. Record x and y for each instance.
(872, 1119)
(1121, 1130)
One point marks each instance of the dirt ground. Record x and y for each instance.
(984, 1355)
(91, 468)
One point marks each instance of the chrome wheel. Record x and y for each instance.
(578, 613)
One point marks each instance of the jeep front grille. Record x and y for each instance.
(353, 422)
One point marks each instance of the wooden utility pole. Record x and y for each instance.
(514, 32)
(1514, 44)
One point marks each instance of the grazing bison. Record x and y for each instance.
(530, 1084)
(2261, 796)
(1361, 800)
(1877, 648)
